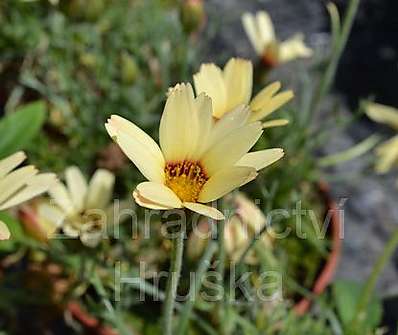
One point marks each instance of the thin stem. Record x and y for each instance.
(329, 75)
(196, 285)
(172, 283)
(221, 263)
(372, 280)
(141, 285)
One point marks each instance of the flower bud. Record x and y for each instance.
(129, 69)
(192, 15)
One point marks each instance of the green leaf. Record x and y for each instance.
(347, 294)
(19, 128)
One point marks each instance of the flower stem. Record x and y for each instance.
(372, 280)
(196, 285)
(172, 283)
(341, 41)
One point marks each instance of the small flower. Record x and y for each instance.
(386, 152)
(232, 87)
(20, 185)
(82, 209)
(199, 160)
(260, 30)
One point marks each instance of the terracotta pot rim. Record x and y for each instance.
(328, 270)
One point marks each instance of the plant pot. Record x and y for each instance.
(328, 269)
(90, 323)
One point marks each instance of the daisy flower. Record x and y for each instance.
(261, 33)
(19, 185)
(199, 160)
(232, 87)
(82, 209)
(386, 152)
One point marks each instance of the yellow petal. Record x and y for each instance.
(14, 182)
(260, 159)
(4, 232)
(264, 96)
(179, 125)
(238, 78)
(294, 48)
(61, 197)
(251, 29)
(382, 114)
(275, 123)
(210, 80)
(205, 124)
(231, 148)
(387, 154)
(276, 102)
(204, 210)
(143, 202)
(226, 181)
(35, 186)
(265, 27)
(11, 162)
(77, 186)
(100, 189)
(229, 122)
(138, 147)
(159, 194)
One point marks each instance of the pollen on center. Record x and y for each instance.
(186, 179)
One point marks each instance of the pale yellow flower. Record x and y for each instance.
(199, 160)
(386, 152)
(260, 31)
(231, 88)
(81, 209)
(20, 185)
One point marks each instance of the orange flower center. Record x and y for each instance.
(186, 179)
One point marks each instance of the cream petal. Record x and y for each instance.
(275, 123)
(11, 162)
(143, 202)
(231, 148)
(210, 80)
(229, 122)
(35, 186)
(205, 124)
(274, 103)
(250, 26)
(61, 197)
(100, 189)
(70, 230)
(294, 48)
(159, 194)
(265, 27)
(204, 210)
(264, 96)
(261, 159)
(4, 232)
(382, 114)
(77, 186)
(238, 78)
(52, 214)
(14, 182)
(387, 154)
(179, 124)
(225, 181)
(138, 147)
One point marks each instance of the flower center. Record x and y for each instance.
(186, 179)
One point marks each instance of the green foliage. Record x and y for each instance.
(19, 128)
(346, 296)
(120, 60)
